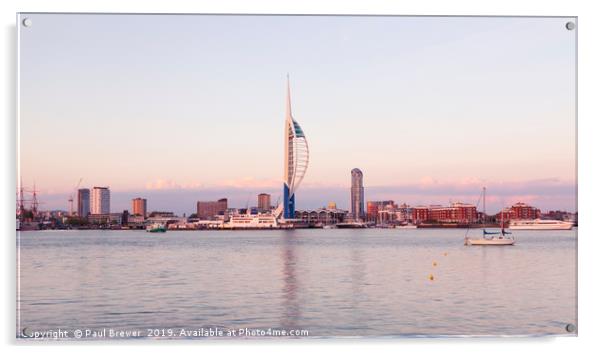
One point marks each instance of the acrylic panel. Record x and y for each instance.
(191, 176)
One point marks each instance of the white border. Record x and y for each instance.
(589, 176)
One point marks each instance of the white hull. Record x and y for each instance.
(491, 242)
(541, 225)
(351, 225)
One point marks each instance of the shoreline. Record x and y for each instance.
(428, 227)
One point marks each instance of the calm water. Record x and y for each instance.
(330, 282)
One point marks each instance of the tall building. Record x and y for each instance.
(357, 194)
(100, 201)
(139, 206)
(264, 202)
(83, 202)
(209, 209)
(296, 158)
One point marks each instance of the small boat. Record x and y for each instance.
(406, 226)
(352, 225)
(156, 227)
(500, 238)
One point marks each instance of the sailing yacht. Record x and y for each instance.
(493, 240)
(500, 238)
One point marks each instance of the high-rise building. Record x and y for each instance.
(296, 158)
(139, 206)
(100, 201)
(83, 202)
(357, 194)
(209, 209)
(264, 202)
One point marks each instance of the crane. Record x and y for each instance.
(71, 196)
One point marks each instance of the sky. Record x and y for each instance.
(180, 108)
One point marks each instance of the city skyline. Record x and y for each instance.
(502, 118)
(431, 193)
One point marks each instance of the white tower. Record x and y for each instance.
(296, 159)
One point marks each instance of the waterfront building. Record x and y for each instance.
(209, 209)
(373, 208)
(264, 202)
(405, 213)
(135, 221)
(506, 214)
(106, 218)
(332, 205)
(323, 216)
(357, 194)
(387, 213)
(519, 211)
(83, 202)
(455, 213)
(100, 201)
(523, 211)
(296, 160)
(166, 214)
(165, 218)
(420, 214)
(125, 216)
(139, 206)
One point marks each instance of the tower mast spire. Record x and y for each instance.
(288, 98)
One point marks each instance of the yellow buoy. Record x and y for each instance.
(445, 254)
(431, 277)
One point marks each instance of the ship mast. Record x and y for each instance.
(484, 209)
(502, 225)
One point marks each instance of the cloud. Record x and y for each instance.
(240, 183)
(162, 184)
(249, 183)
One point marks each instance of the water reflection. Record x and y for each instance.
(290, 286)
(357, 273)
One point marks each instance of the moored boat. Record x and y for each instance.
(406, 226)
(352, 225)
(539, 224)
(156, 227)
(500, 238)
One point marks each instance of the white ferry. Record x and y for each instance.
(250, 221)
(156, 227)
(539, 224)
